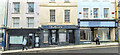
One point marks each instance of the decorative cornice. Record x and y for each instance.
(58, 5)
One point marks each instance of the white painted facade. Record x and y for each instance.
(100, 4)
(23, 14)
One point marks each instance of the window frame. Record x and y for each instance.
(28, 23)
(14, 22)
(28, 3)
(17, 8)
(107, 13)
(65, 18)
(87, 13)
(97, 14)
(52, 16)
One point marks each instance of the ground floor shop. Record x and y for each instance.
(104, 28)
(60, 34)
(15, 38)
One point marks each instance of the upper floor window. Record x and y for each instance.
(52, 15)
(85, 12)
(95, 0)
(95, 12)
(16, 22)
(66, 0)
(16, 7)
(67, 15)
(52, 0)
(30, 21)
(106, 12)
(30, 7)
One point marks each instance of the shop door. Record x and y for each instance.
(71, 36)
(36, 44)
(53, 38)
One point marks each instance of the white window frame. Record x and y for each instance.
(105, 14)
(96, 16)
(68, 15)
(16, 23)
(87, 13)
(29, 23)
(28, 7)
(14, 7)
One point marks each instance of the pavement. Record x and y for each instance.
(62, 47)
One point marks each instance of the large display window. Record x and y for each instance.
(16, 39)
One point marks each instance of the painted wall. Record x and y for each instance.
(59, 6)
(23, 13)
(101, 4)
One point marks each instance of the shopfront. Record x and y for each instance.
(15, 38)
(105, 29)
(60, 34)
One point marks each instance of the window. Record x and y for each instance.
(16, 39)
(95, 0)
(30, 7)
(66, 0)
(30, 22)
(119, 24)
(95, 12)
(16, 7)
(52, 15)
(106, 12)
(67, 15)
(85, 13)
(52, 0)
(16, 22)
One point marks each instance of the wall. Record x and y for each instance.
(59, 6)
(23, 13)
(101, 4)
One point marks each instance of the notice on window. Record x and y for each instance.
(62, 37)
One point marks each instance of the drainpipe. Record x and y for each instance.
(116, 17)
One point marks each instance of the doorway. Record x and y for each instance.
(71, 36)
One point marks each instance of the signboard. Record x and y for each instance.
(97, 24)
(59, 27)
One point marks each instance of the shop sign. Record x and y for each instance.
(97, 24)
(58, 26)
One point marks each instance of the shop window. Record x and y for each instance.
(85, 34)
(30, 22)
(30, 7)
(119, 24)
(15, 21)
(67, 15)
(52, 15)
(104, 34)
(16, 7)
(62, 35)
(16, 39)
(106, 12)
(45, 36)
(85, 12)
(95, 12)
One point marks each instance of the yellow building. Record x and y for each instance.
(58, 19)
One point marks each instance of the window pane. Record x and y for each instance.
(16, 7)
(95, 12)
(85, 13)
(30, 7)
(106, 13)
(16, 39)
(67, 15)
(52, 0)
(52, 15)
(66, 0)
(30, 22)
(16, 22)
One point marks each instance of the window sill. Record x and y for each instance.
(67, 2)
(67, 22)
(52, 2)
(29, 13)
(15, 13)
